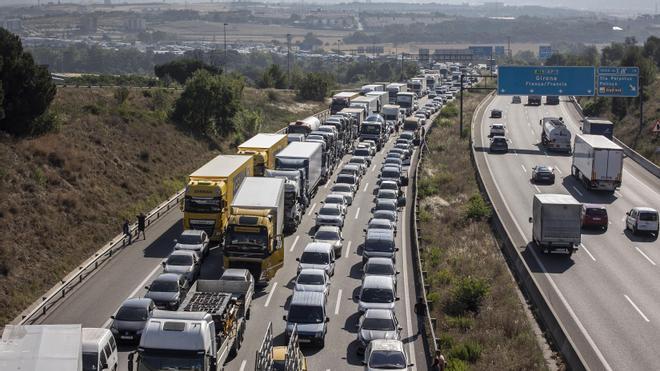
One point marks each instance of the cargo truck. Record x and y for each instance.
(295, 200)
(210, 191)
(43, 347)
(203, 333)
(273, 358)
(263, 148)
(358, 115)
(392, 114)
(306, 158)
(371, 87)
(304, 126)
(597, 162)
(417, 85)
(373, 128)
(370, 102)
(534, 100)
(342, 100)
(254, 238)
(412, 124)
(598, 126)
(556, 223)
(406, 100)
(393, 89)
(382, 96)
(555, 136)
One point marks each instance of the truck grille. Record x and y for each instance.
(205, 226)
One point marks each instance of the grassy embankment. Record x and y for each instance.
(65, 194)
(481, 321)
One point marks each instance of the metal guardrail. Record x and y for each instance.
(40, 307)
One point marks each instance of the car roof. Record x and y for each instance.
(312, 271)
(358, 158)
(378, 313)
(308, 298)
(383, 344)
(380, 234)
(167, 277)
(192, 232)
(377, 282)
(387, 191)
(318, 247)
(645, 209)
(234, 272)
(330, 206)
(331, 228)
(349, 166)
(182, 252)
(136, 303)
(335, 195)
(388, 182)
(380, 261)
(381, 212)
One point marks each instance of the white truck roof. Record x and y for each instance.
(299, 149)
(599, 141)
(221, 167)
(41, 347)
(556, 199)
(262, 140)
(345, 94)
(259, 192)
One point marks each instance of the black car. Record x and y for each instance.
(498, 144)
(542, 173)
(496, 114)
(516, 99)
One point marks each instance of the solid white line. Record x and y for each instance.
(348, 248)
(294, 243)
(270, 295)
(639, 181)
(523, 167)
(578, 191)
(327, 183)
(135, 291)
(537, 189)
(357, 212)
(338, 302)
(636, 308)
(587, 250)
(644, 255)
(406, 295)
(373, 167)
(311, 209)
(243, 364)
(618, 194)
(365, 187)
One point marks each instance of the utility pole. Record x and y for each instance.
(288, 60)
(401, 66)
(641, 108)
(461, 118)
(224, 29)
(509, 48)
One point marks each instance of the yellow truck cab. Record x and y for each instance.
(263, 148)
(210, 191)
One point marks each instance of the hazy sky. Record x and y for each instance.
(634, 6)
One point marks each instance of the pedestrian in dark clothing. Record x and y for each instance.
(439, 363)
(141, 225)
(126, 228)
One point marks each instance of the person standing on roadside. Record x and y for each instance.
(439, 363)
(141, 218)
(126, 228)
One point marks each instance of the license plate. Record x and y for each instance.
(125, 337)
(596, 219)
(304, 340)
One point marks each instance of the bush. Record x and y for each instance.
(470, 351)
(182, 69)
(315, 86)
(454, 364)
(273, 96)
(595, 107)
(449, 111)
(46, 123)
(427, 187)
(121, 94)
(467, 295)
(477, 208)
(460, 322)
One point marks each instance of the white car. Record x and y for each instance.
(497, 130)
(345, 190)
(312, 279)
(384, 354)
(336, 198)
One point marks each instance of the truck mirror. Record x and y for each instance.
(530, 219)
(327, 319)
(112, 317)
(163, 263)
(175, 240)
(284, 318)
(146, 287)
(297, 259)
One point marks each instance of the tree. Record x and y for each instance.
(652, 49)
(27, 89)
(247, 123)
(310, 42)
(315, 86)
(182, 69)
(273, 77)
(209, 103)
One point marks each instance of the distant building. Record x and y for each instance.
(13, 25)
(107, 2)
(136, 24)
(89, 24)
(453, 55)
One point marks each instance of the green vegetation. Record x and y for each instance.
(181, 70)
(481, 322)
(315, 86)
(114, 80)
(26, 90)
(273, 77)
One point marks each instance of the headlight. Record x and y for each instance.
(174, 302)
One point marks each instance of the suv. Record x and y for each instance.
(498, 144)
(308, 312)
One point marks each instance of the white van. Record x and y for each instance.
(99, 350)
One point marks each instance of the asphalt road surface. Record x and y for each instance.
(607, 294)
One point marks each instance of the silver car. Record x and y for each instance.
(312, 279)
(377, 324)
(132, 315)
(167, 290)
(335, 198)
(345, 190)
(193, 240)
(386, 214)
(360, 161)
(332, 235)
(384, 354)
(380, 267)
(376, 293)
(330, 214)
(182, 262)
(381, 223)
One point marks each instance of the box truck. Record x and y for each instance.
(598, 126)
(597, 162)
(370, 102)
(263, 148)
(382, 96)
(393, 89)
(307, 158)
(556, 222)
(406, 100)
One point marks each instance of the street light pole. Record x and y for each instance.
(224, 29)
(288, 60)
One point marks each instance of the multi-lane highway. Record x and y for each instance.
(607, 294)
(92, 302)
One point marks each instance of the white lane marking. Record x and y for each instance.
(373, 167)
(554, 286)
(135, 291)
(311, 209)
(640, 182)
(618, 194)
(243, 364)
(365, 187)
(587, 250)
(532, 131)
(558, 170)
(348, 248)
(537, 189)
(636, 308)
(270, 295)
(523, 167)
(357, 212)
(293, 245)
(644, 255)
(327, 183)
(578, 191)
(338, 302)
(411, 345)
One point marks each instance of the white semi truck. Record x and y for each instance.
(597, 162)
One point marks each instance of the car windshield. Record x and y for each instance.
(310, 279)
(378, 324)
(499, 141)
(648, 217)
(333, 211)
(356, 160)
(131, 314)
(326, 235)
(90, 361)
(309, 257)
(596, 211)
(179, 260)
(341, 188)
(372, 295)
(387, 194)
(305, 314)
(361, 152)
(380, 226)
(384, 359)
(390, 173)
(383, 214)
(379, 245)
(164, 286)
(187, 239)
(392, 160)
(334, 200)
(543, 169)
(379, 269)
(345, 179)
(389, 185)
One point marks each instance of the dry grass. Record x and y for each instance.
(485, 327)
(65, 194)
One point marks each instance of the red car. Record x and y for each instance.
(594, 216)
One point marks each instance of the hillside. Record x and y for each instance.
(65, 194)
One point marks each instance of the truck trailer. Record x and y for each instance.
(371, 103)
(210, 191)
(263, 148)
(307, 158)
(406, 100)
(597, 162)
(392, 114)
(555, 136)
(254, 238)
(342, 100)
(270, 357)
(393, 89)
(295, 199)
(598, 126)
(556, 222)
(382, 96)
(534, 100)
